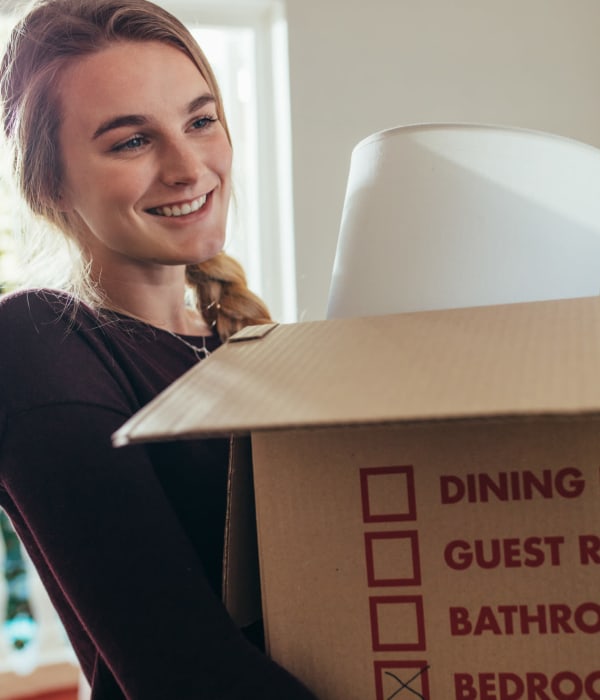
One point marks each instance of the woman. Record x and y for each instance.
(121, 145)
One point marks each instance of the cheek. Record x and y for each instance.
(222, 157)
(228, 159)
(104, 193)
(101, 210)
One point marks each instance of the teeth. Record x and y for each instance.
(183, 209)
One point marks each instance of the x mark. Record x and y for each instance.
(406, 686)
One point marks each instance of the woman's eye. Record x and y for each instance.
(203, 122)
(131, 144)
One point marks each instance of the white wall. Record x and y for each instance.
(358, 67)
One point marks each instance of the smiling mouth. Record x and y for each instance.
(175, 210)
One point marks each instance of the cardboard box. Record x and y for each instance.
(427, 491)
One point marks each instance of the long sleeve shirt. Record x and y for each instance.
(128, 542)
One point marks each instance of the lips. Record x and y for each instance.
(181, 209)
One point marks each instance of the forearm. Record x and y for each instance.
(121, 558)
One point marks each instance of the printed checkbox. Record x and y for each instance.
(397, 623)
(392, 558)
(388, 494)
(394, 677)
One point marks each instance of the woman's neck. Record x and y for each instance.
(160, 305)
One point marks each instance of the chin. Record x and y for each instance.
(208, 252)
(194, 257)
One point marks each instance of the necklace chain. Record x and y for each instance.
(200, 353)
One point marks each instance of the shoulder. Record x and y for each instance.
(31, 310)
(52, 349)
(34, 321)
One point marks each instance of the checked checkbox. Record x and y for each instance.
(401, 679)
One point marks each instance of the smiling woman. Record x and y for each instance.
(122, 146)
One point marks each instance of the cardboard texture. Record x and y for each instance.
(427, 491)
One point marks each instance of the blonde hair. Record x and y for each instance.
(46, 40)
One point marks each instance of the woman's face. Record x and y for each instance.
(146, 162)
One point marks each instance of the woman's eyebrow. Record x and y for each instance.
(200, 102)
(139, 120)
(117, 122)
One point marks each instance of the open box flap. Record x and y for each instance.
(538, 358)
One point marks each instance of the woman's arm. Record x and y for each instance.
(112, 543)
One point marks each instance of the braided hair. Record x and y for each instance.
(224, 299)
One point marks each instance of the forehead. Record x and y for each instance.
(130, 78)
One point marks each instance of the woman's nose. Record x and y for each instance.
(180, 164)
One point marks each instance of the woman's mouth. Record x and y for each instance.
(184, 209)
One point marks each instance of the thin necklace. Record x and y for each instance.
(200, 353)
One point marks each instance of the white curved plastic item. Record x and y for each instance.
(450, 215)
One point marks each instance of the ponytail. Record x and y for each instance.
(223, 297)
